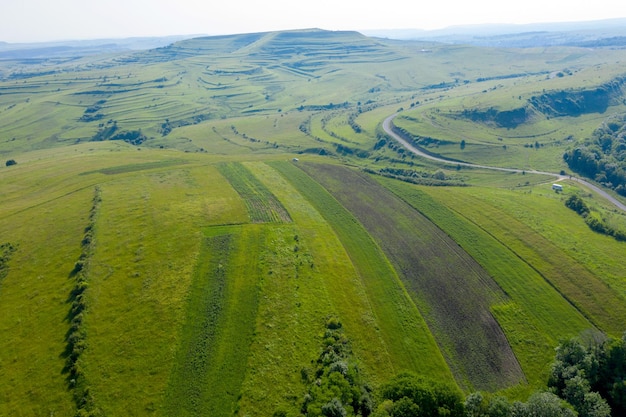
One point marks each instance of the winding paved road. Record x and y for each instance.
(387, 127)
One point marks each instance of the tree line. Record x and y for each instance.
(587, 379)
(602, 157)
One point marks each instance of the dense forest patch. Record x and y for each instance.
(602, 157)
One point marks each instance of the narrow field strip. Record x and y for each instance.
(307, 277)
(262, 206)
(293, 304)
(451, 290)
(123, 169)
(188, 389)
(221, 308)
(407, 338)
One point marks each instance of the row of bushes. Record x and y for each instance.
(438, 179)
(76, 335)
(596, 224)
(335, 385)
(6, 250)
(587, 379)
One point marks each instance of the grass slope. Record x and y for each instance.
(148, 236)
(407, 337)
(215, 111)
(34, 303)
(308, 279)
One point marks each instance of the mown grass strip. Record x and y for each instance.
(189, 388)
(221, 309)
(451, 290)
(123, 169)
(537, 316)
(263, 207)
(409, 342)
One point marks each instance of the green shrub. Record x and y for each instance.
(578, 205)
(6, 250)
(432, 398)
(333, 323)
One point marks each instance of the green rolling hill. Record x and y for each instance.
(222, 227)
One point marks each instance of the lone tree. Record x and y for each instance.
(11, 162)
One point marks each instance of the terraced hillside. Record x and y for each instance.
(216, 226)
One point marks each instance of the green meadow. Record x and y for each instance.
(184, 230)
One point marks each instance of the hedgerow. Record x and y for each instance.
(76, 335)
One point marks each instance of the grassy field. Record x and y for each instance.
(242, 221)
(148, 235)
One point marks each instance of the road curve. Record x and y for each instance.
(387, 127)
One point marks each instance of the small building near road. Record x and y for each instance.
(557, 187)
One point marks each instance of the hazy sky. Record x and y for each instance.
(42, 20)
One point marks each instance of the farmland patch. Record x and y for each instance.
(451, 290)
(537, 316)
(409, 342)
(599, 303)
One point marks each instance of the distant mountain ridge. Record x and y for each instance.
(601, 33)
(74, 48)
(597, 33)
